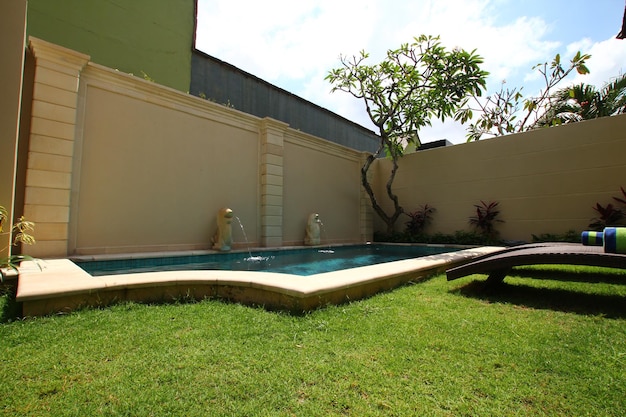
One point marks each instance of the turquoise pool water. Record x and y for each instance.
(306, 261)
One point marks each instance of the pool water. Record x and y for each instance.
(302, 262)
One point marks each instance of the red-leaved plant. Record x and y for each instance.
(609, 215)
(485, 219)
(419, 219)
(621, 200)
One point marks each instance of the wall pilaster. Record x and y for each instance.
(272, 134)
(12, 33)
(51, 150)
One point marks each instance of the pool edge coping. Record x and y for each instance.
(48, 282)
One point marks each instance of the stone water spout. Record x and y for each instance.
(224, 236)
(312, 232)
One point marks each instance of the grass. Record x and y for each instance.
(534, 347)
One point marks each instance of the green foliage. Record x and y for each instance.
(402, 93)
(585, 102)
(459, 237)
(147, 77)
(419, 219)
(498, 113)
(21, 234)
(536, 347)
(228, 104)
(415, 83)
(484, 224)
(571, 236)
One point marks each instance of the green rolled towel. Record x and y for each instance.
(592, 238)
(615, 239)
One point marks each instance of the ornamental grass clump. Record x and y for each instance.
(21, 230)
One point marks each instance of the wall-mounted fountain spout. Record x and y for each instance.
(312, 232)
(224, 236)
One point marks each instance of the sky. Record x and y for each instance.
(294, 44)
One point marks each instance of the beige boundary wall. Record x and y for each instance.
(118, 164)
(546, 181)
(12, 33)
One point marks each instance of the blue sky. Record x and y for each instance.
(293, 44)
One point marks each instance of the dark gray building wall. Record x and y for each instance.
(224, 83)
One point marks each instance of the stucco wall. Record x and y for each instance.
(320, 178)
(153, 171)
(12, 32)
(132, 36)
(119, 164)
(151, 176)
(546, 181)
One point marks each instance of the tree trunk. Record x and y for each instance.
(389, 220)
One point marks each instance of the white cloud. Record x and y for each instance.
(295, 44)
(283, 38)
(608, 60)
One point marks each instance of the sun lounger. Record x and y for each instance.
(497, 265)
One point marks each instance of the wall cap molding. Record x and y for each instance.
(107, 79)
(58, 54)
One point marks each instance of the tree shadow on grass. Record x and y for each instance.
(557, 299)
(600, 275)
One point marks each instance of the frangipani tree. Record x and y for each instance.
(584, 102)
(413, 84)
(498, 113)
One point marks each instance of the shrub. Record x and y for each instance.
(619, 199)
(419, 219)
(609, 215)
(21, 229)
(485, 219)
(571, 236)
(460, 237)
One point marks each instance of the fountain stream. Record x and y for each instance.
(328, 250)
(250, 258)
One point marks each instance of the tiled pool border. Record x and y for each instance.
(59, 285)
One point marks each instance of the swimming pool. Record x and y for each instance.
(60, 285)
(301, 261)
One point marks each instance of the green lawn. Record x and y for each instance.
(533, 347)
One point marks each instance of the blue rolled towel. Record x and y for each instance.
(615, 239)
(592, 238)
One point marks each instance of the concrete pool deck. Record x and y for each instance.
(59, 285)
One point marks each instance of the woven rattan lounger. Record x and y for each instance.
(497, 265)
